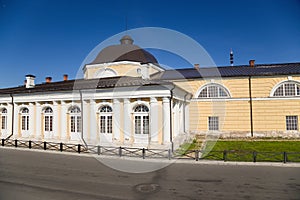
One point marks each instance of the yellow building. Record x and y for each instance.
(126, 98)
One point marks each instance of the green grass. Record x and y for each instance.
(271, 151)
(259, 146)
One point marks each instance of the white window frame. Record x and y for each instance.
(48, 120)
(141, 120)
(291, 122)
(213, 123)
(25, 119)
(208, 87)
(105, 119)
(75, 119)
(283, 85)
(4, 119)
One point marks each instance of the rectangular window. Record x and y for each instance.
(25, 123)
(109, 124)
(46, 123)
(102, 124)
(291, 123)
(137, 124)
(3, 122)
(145, 124)
(72, 124)
(213, 123)
(78, 124)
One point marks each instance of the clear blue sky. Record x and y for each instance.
(51, 38)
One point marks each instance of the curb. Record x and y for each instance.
(154, 160)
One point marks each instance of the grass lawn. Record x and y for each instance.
(243, 150)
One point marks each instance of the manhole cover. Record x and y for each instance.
(147, 188)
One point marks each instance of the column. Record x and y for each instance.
(56, 128)
(86, 122)
(16, 120)
(186, 117)
(166, 120)
(9, 119)
(93, 122)
(38, 118)
(116, 119)
(176, 118)
(31, 120)
(153, 120)
(63, 120)
(127, 120)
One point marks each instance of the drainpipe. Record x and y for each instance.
(184, 114)
(81, 105)
(12, 116)
(251, 106)
(171, 121)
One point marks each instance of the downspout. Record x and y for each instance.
(12, 116)
(251, 106)
(171, 121)
(81, 113)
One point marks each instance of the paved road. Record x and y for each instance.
(44, 176)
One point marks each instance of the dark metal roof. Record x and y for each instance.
(126, 51)
(230, 71)
(78, 84)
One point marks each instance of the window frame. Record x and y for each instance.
(24, 119)
(75, 119)
(4, 119)
(291, 123)
(48, 119)
(211, 88)
(141, 120)
(213, 123)
(285, 88)
(105, 119)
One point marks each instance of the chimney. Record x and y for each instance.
(48, 79)
(196, 66)
(251, 63)
(29, 81)
(65, 77)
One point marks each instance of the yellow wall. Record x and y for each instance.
(269, 113)
(120, 69)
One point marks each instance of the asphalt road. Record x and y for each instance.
(47, 176)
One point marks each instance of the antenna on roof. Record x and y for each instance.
(231, 57)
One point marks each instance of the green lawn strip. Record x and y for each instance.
(271, 151)
(243, 150)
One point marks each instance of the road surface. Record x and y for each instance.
(33, 175)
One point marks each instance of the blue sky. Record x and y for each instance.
(53, 37)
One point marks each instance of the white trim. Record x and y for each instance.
(101, 104)
(109, 64)
(244, 99)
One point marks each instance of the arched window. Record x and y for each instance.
(106, 119)
(25, 119)
(102, 73)
(4, 119)
(75, 120)
(287, 89)
(141, 119)
(48, 113)
(213, 91)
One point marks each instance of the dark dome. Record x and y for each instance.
(126, 51)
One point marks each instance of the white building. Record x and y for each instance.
(115, 104)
